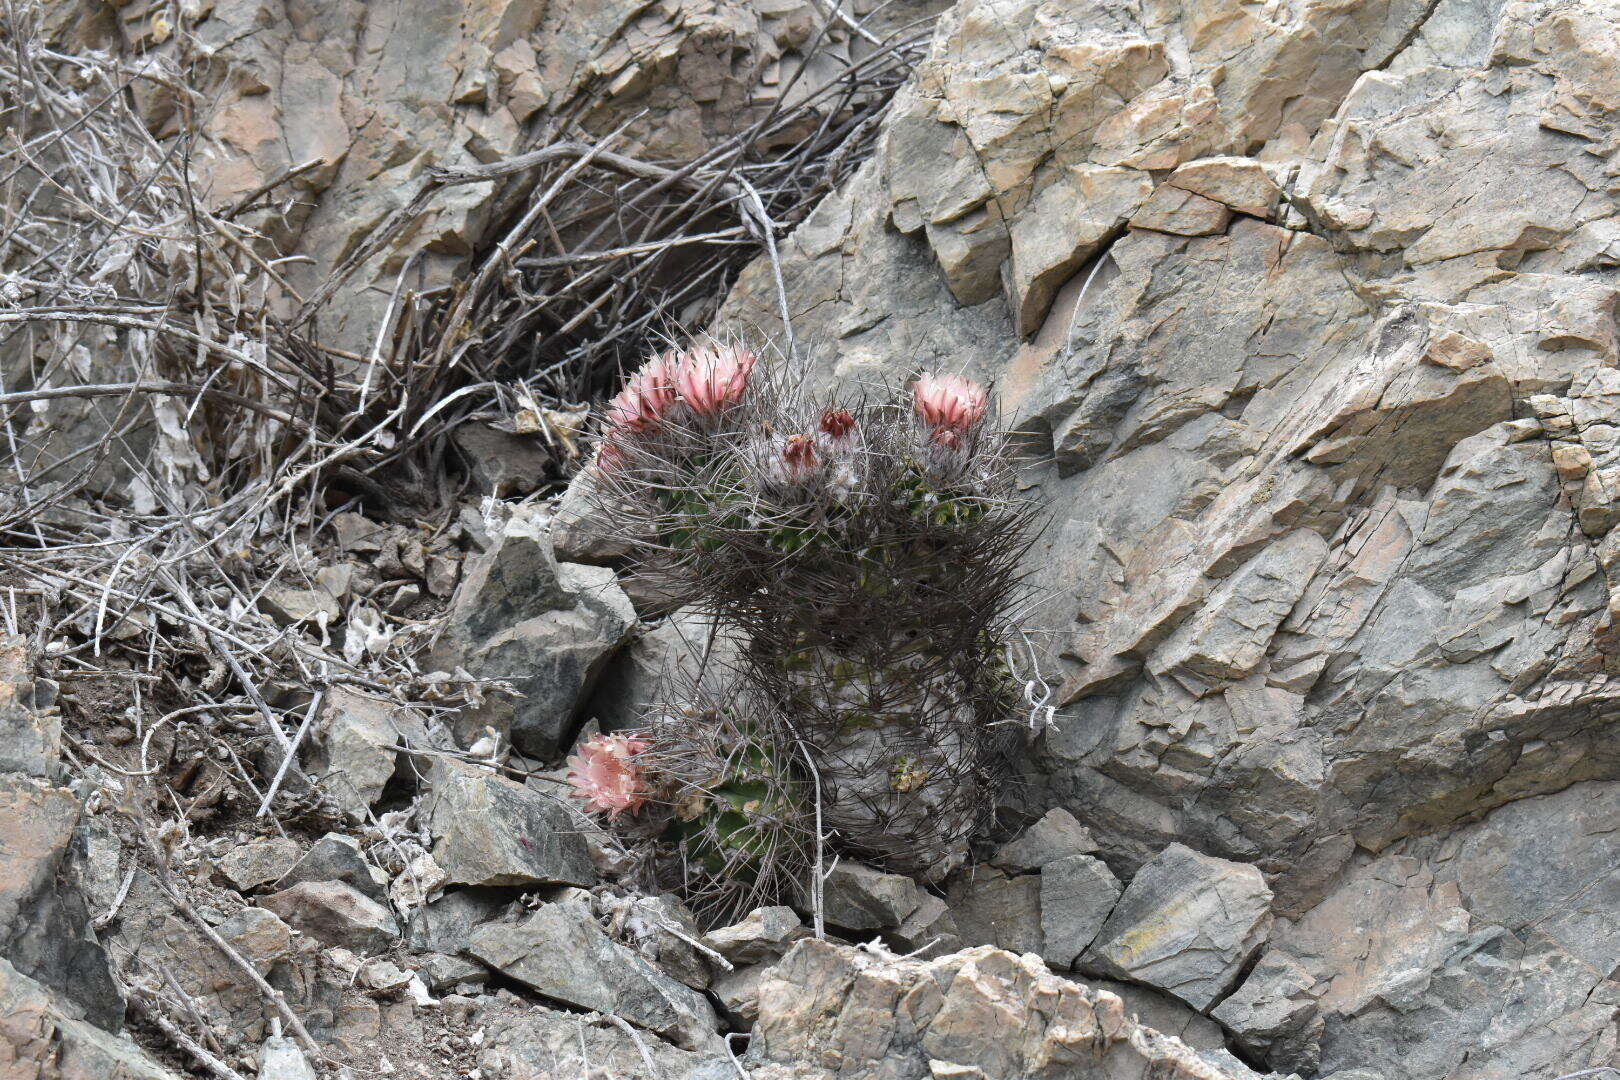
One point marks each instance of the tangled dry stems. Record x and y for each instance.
(178, 438)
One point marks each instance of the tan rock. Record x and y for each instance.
(1175, 210)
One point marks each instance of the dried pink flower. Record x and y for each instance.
(646, 396)
(837, 424)
(605, 775)
(798, 458)
(710, 378)
(949, 402)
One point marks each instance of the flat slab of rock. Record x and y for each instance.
(336, 914)
(541, 1044)
(336, 857)
(41, 1039)
(258, 862)
(563, 953)
(832, 1011)
(765, 933)
(991, 908)
(1187, 924)
(491, 831)
(1077, 894)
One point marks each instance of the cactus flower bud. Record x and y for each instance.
(711, 378)
(646, 396)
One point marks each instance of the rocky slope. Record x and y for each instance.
(1307, 311)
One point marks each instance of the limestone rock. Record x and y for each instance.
(560, 951)
(354, 750)
(1077, 894)
(764, 933)
(829, 1010)
(445, 925)
(991, 908)
(1187, 924)
(281, 1059)
(492, 831)
(336, 914)
(541, 1044)
(337, 857)
(500, 463)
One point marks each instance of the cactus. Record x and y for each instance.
(866, 554)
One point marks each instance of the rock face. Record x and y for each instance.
(982, 1014)
(1310, 317)
(492, 831)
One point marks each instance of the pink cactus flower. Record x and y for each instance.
(605, 775)
(711, 378)
(646, 396)
(949, 403)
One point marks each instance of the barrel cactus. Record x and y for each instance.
(866, 555)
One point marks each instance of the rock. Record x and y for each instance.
(661, 929)
(738, 993)
(580, 532)
(930, 931)
(560, 951)
(353, 751)
(1165, 1014)
(336, 914)
(1055, 836)
(500, 463)
(546, 627)
(1240, 183)
(764, 934)
(857, 897)
(1076, 895)
(991, 908)
(258, 862)
(540, 1044)
(44, 924)
(491, 831)
(290, 606)
(1273, 1014)
(668, 654)
(281, 1059)
(336, 857)
(1187, 924)
(829, 1010)
(30, 725)
(39, 1038)
(445, 925)
(1175, 210)
(442, 972)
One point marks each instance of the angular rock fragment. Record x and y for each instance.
(1056, 835)
(858, 897)
(1077, 894)
(764, 933)
(545, 627)
(561, 952)
(258, 862)
(337, 857)
(491, 831)
(1187, 924)
(335, 914)
(991, 908)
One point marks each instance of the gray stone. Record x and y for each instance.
(336, 914)
(30, 725)
(337, 857)
(991, 908)
(928, 932)
(500, 463)
(548, 628)
(764, 934)
(445, 925)
(1187, 924)
(441, 972)
(857, 897)
(491, 831)
(353, 752)
(258, 862)
(43, 1039)
(1056, 835)
(1076, 895)
(1273, 1015)
(281, 1059)
(560, 951)
(290, 605)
